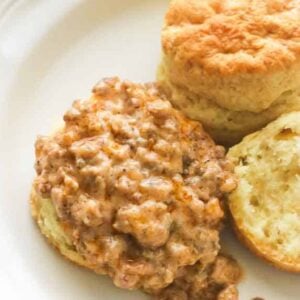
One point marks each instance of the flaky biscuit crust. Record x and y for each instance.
(229, 37)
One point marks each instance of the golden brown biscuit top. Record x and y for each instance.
(233, 36)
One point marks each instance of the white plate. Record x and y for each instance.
(52, 52)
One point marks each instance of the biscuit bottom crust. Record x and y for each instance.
(227, 127)
(265, 206)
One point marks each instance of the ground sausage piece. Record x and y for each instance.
(149, 223)
(224, 272)
(141, 189)
(157, 188)
(229, 293)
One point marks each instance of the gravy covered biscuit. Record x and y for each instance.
(233, 65)
(266, 205)
(131, 188)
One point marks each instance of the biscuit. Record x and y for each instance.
(131, 188)
(265, 207)
(44, 214)
(237, 57)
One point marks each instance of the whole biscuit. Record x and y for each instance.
(237, 56)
